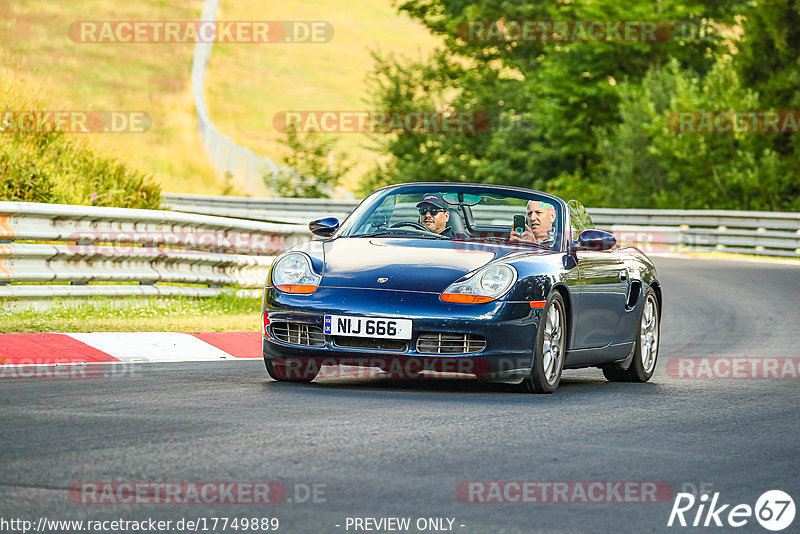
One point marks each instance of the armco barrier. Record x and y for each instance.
(79, 245)
(162, 250)
(749, 232)
(279, 210)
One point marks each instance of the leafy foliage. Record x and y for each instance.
(310, 170)
(49, 166)
(649, 164)
(590, 119)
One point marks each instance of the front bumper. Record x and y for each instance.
(509, 329)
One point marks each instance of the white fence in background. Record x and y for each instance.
(749, 232)
(132, 252)
(226, 155)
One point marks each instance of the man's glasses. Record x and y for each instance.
(433, 211)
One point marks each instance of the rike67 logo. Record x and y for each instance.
(774, 510)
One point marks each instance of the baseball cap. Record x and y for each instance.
(434, 198)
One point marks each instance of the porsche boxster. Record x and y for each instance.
(438, 279)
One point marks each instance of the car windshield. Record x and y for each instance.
(468, 213)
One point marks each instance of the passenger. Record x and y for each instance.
(539, 221)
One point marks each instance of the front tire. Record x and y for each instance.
(645, 352)
(550, 348)
(279, 372)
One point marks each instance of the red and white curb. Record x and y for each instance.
(84, 355)
(131, 347)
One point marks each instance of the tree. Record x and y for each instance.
(309, 168)
(546, 98)
(769, 63)
(648, 162)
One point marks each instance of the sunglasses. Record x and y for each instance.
(433, 211)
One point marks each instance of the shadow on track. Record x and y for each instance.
(571, 389)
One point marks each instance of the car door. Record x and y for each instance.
(603, 290)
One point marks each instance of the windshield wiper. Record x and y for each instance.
(398, 232)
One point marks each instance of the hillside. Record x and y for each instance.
(246, 85)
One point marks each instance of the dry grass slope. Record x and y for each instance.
(247, 84)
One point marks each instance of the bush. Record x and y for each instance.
(308, 172)
(53, 167)
(21, 176)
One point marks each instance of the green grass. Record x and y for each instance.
(246, 85)
(326, 76)
(175, 314)
(147, 77)
(51, 167)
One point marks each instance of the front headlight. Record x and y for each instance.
(293, 274)
(486, 285)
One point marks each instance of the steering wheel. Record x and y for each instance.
(413, 224)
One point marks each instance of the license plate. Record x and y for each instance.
(376, 327)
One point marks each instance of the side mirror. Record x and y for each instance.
(594, 240)
(324, 227)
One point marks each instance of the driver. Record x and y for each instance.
(434, 215)
(538, 224)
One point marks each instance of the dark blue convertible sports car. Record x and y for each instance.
(437, 279)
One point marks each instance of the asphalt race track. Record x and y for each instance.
(380, 449)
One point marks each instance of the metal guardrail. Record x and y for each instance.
(749, 232)
(79, 245)
(277, 210)
(179, 253)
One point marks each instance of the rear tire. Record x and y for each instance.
(278, 371)
(645, 351)
(550, 348)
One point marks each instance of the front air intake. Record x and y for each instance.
(447, 343)
(298, 334)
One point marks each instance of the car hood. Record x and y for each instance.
(407, 264)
